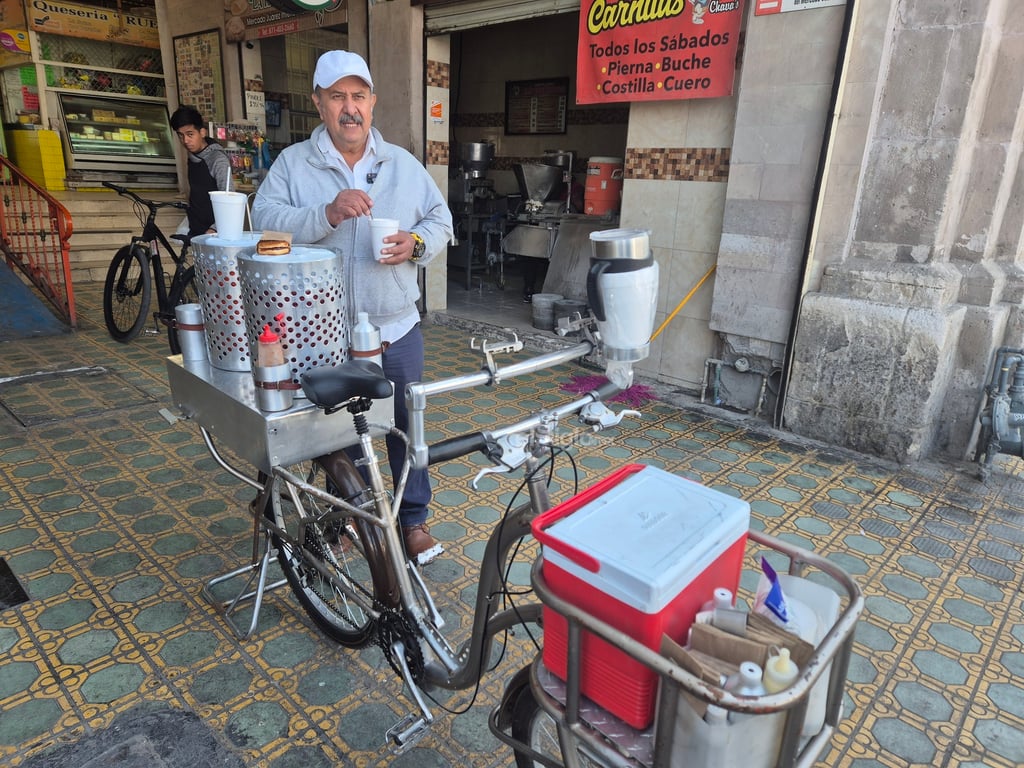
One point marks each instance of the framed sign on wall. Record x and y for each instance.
(536, 106)
(200, 72)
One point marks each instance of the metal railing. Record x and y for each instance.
(35, 237)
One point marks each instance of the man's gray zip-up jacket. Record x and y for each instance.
(301, 182)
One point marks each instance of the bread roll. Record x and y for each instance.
(273, 247)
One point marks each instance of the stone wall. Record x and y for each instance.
(894, 341)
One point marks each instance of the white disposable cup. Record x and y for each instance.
(228, 213)
(379, 229)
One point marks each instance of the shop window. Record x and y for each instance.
(101, 67)
(301, 54)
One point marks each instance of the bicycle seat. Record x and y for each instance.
(327, 387)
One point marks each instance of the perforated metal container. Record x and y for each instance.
(220, 292)
(306, 290)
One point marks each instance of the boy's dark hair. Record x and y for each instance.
(187, 116)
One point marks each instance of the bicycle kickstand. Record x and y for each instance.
(411, 728)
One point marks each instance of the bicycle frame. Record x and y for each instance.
(450, 668)
(295, 515)
(153, 237)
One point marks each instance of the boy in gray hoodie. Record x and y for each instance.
(208, 169)
(322, 191)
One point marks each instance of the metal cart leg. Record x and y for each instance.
(256, 570)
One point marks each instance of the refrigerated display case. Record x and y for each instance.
(115, 134)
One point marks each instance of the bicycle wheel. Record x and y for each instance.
(126, 292)
(349, 550)
(183, 291)
(536, 728)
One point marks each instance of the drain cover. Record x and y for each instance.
(148, 736)
(11, 591)
(47, 396)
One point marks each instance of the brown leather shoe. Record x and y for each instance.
(419, 544)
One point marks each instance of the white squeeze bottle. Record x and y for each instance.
(779, 671)
(748, 681)
(365, 340)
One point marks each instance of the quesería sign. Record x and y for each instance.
(653, 50)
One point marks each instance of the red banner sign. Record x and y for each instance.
(656, 50)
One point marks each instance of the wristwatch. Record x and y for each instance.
(419, 249)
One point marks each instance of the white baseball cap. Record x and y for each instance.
(334, 65)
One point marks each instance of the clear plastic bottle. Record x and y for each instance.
(365, 340)
(780, 671)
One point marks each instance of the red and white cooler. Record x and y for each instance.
(642, 550)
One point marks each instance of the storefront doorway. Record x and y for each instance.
(516, 187)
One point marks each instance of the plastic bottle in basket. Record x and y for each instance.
(746, 682)
(779, 671)
(365, 340)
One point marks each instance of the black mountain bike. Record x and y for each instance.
(137, 268)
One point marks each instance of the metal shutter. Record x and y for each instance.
(457, 16)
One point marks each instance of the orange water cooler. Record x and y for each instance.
(603, 191)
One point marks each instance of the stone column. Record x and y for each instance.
(892, 348)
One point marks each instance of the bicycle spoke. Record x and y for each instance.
(320, 551)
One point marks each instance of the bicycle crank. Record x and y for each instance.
(411, 728)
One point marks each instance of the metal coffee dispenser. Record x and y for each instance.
(622, 290)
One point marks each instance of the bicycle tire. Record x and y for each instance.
(534, 727)
(126, 292)
(351, 549)
(183, 291)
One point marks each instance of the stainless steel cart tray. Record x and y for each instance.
(224, 403)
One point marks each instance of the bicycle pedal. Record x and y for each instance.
(407, 732)
(429, 555)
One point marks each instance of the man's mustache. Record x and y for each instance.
(350, 120)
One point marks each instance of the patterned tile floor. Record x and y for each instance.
(113, 519)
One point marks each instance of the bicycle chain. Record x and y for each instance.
(393, 624)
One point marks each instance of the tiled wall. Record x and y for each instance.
(676, 169)
(780, 122)
(438, 108)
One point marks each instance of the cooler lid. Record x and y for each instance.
(642, 535)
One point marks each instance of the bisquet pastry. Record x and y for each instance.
(273, 247)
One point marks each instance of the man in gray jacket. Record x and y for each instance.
(323, 190)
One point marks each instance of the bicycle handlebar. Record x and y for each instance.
(457, 446)
(488, 442)
(416, 396)
(153, 205)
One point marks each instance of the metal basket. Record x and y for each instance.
(306, 290)
(220, 292)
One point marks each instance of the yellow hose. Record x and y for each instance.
(682, 303)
